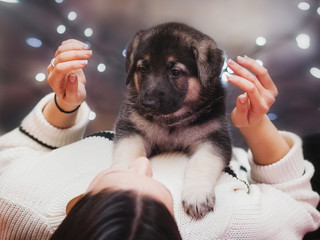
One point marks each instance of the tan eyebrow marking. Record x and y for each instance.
(181, 66)
(177, 64)
(140, 62)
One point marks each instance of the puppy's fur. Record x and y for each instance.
(175, 102)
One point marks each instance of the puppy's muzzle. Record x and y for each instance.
(149, 103)
(151, 100)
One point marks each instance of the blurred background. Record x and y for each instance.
(282, 35)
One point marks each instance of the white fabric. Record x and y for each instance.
(266, 202)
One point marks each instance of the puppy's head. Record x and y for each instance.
(169, 66)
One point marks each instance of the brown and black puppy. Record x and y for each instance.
(175, 102)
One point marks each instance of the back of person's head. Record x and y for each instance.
(118, 215)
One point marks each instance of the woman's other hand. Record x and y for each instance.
(65, 74)
(260, 92)
(263, 138)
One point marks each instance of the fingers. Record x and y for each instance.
(258, 103)
(261, 73)
(73, 55)
(69, 45)
(243, 72)
(253, 79)
(69, 54)
(261, 82)
(76, 59)
(70, 50)
(259, 76)
(65, 75)
(260, 91)
(56, 77)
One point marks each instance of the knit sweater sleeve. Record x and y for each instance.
(281, 195)
(36, 127)
(292, 174)
(290, 167)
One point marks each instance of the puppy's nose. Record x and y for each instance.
(149, 102)
(152, 99)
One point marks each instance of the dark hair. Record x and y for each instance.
(118, 215)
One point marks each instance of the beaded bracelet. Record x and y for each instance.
(60, 109)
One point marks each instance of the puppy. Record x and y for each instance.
(175, 102)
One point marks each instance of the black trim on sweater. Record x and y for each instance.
(232, 173)
(105, 134)
(243, 168)
(35, 139)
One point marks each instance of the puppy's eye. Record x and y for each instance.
(143, 69)
(175, 72)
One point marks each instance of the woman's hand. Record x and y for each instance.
(263, 138)
(68, 81)
(260, 92)
(66, 78)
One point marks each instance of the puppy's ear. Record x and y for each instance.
(209, 61)
(130, 55)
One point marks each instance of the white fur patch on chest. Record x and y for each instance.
(171, 140)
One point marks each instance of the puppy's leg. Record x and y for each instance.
(202, 173)
(128, 149)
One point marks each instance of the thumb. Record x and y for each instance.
(240, 114)
(242, 103)
(72, 86)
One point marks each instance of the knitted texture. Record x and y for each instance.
(252, 201)
(37, 126)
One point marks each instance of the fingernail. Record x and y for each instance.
(230, 61)
(240, 59)
(86, 46)
(84, 61)
(243, 99)
(229, 77)
(90, 52)
(72, 78)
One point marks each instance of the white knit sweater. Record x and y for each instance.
(252, 201)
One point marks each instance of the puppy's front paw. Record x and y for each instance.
(197, 201)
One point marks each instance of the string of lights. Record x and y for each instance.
(71, 22)
(303, 40)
